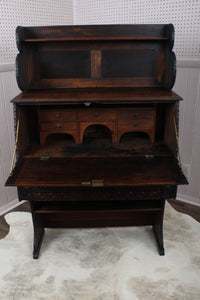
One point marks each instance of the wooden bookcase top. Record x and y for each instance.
(95, 56)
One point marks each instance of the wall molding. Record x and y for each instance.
(187, 199)
(188, 62)
(184, 62)
(7, 207)
(7, 67)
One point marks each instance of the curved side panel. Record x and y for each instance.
(21, 72)
(19, 33)
(169, 32)
(170, 70)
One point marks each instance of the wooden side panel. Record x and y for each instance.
(170, 70)
(170, 123)
(22, 71)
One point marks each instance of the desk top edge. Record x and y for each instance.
(97, 95)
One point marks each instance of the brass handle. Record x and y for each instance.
(57, 116)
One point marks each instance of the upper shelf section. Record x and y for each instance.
(95, 56)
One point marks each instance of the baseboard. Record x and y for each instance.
(7, 207)
(6, 67)
(188, 199)
(188, 62)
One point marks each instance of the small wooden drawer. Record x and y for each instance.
(97, 115)
(48, 115)
(136, 114)
(49, 126)
(134, 124)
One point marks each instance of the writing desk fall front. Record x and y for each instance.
(96, 126)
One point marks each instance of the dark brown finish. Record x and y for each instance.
(118, 171)
(185, 208)
(85, 32)
(135, 56)
(118, 121)
(97, 144)
(97, 96)
(64, 64)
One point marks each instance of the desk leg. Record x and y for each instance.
(38, 237)
(158, 230)
(38, 232)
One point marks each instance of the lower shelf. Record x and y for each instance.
(97, 219)
(85, 214)
(98, 214)
(46, 207)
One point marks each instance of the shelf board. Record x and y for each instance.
(100, 206)
(140, 38)
(97, 95)
(92, 212)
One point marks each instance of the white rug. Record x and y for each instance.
(101, 264)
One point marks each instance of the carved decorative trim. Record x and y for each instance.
(97, 194)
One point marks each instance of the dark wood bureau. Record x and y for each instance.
(96, 126)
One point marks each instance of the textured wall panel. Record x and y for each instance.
(29, 13)
(184, 14)
(188, 86)
(8, 89)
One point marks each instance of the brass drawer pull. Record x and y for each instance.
(57, 115)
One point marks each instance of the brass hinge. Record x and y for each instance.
(98, 182)
(149, 156)
(45, 156)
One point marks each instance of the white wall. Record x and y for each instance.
(14, 13)
(29, 13)
(8, 89)
(188, 86)
(184, 14)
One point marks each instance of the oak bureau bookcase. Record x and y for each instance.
(96, 126)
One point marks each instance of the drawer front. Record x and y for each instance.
(97, 115)
(134, 124)
(48, 126)
(136, 114)
(49, 115)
